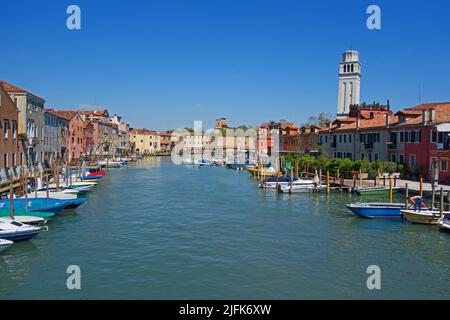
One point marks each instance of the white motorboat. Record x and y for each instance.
(15, 230)
(422, 216)
(444, 222)
(271, 183)
(4, 244)
(300, 188)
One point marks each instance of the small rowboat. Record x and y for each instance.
(375, 190)
(422, 216)
(377, 210)
(4, 244)
(444, 222)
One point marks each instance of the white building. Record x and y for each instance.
(349, 82)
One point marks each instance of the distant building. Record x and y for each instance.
(56, 132)
(145, 141)
(221, 123)
(76, 135)
(167, 143)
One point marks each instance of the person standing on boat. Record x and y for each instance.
(418, 203)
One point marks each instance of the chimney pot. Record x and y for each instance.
(424, 117)
(388, 121)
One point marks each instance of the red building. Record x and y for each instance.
(11, 148)
(426, 140)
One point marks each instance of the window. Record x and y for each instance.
(14, 129)
(350, 138)
(434, 136)
(444, 165)
(412, 160)
(363, 156)
(402, 137)
(326, 139)
(401, 158)
(5, 128)
(370, 157)
(5, 160)
(345, 138)
(340, 138)
(21, 158)
(14, 160)
(394, 158)
(376, 156)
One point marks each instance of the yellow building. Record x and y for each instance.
(145, 141)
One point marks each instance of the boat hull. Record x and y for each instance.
(5, 244)
(420, 217)
(375, 191)
(376, 211)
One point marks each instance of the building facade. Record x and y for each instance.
(11, 147)
(30, 120)
(56, 134)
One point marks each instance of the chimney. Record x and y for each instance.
(388, 121)
(357, 122)
(330, 125)
(432, 115)
(424, 117)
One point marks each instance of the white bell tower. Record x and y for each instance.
(349, 82)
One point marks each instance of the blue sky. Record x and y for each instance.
(164, 64)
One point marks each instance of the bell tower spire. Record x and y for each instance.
(349, 82)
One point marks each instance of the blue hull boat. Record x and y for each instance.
(43, 204)
(377, 210)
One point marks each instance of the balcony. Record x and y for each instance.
(392, 146)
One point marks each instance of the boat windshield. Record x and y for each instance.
(17, 224)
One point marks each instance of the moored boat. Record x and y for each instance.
(422, 216)
(271, 183)
(31, 220)
(15, 230)
(266, 172)
(5, 244)
(299, 188)
(17, 214)
(377, 210)
(42, 204)
(444, 222)
(376, 190)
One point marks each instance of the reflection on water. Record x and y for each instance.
(155, 230)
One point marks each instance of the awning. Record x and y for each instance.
(444, 127)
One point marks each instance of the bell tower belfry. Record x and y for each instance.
(349, 82)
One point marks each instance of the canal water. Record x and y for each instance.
(159, 231)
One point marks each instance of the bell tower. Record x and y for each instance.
(349, 82)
